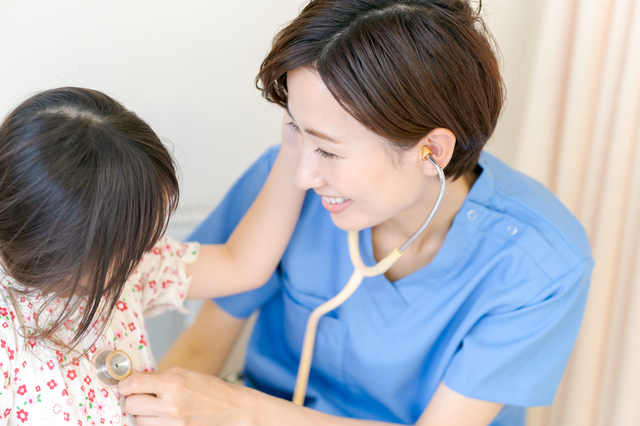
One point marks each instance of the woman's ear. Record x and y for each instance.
(440, 142)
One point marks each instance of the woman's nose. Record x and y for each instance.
(308, 176)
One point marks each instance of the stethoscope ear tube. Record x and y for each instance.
(360, 271)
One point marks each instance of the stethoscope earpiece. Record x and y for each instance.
(111, 366)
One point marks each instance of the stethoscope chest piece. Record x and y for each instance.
(109, 366)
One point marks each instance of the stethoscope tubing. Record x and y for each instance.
(360, 271)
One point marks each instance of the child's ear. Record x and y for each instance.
(439, 145)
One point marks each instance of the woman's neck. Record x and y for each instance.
(390, 234)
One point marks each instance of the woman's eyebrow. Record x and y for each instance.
(313, 132)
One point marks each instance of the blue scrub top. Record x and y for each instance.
(495, 314)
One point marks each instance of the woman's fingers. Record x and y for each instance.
(188, 397)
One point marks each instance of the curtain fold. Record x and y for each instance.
(581, 138)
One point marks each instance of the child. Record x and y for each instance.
(86, 189)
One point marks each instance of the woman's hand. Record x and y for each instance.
(183, 397)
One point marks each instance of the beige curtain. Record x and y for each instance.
(581, 137)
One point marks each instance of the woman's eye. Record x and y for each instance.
(293, 126)
(325, 154)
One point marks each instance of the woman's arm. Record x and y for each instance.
(205, 346)
(190, 398)
(255, 247)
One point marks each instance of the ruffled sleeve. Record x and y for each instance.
(161, 278)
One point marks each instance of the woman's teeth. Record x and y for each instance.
(338, 200)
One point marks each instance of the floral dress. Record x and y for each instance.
(45, 386)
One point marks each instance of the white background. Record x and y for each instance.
(187, 68)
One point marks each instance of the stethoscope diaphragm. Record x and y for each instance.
(110, 366)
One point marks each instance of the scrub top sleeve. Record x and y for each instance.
(217, 228)
(518, 357)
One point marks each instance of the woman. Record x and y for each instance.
(476, 320)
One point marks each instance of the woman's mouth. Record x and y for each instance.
(335, 204)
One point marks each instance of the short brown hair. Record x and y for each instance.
(86, 188)
(401, 68)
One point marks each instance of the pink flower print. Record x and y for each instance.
(3, 343)
(143, 341)
(22, 415)
(59, 357)
(37, 388)
(152, 284)
(65, 392)
(68, 324)
(13, 316)
(81, 309)
(30, 305)
(75, 361)
(22, 299)
(137, 287)
(22, 390)
(10, 353)
(132, 326)
(83, 410)
(93, 350)
(166, 283)
(31, 399)
(57, 409)
(66, 417)
(50, 364)
(115, 420)
(82, 388)
(72, 374)
(100, 407)
(105, 393)
(7, 412)
(24, 364)
(3, 312)
(156, 251)
(87, 380)
(92, 395)
(32, 343)
(52, 384)
(119, 334)
(5, 325)
(122, 306)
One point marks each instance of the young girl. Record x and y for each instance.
(86, 189)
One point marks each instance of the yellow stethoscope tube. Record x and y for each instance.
(360, 271)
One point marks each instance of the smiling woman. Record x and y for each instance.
(476, 320)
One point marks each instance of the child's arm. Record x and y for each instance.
(255, 247)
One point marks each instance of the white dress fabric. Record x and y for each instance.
(43, 385)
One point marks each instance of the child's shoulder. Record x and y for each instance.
(160, 281)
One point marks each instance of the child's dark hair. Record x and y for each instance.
(400, 67)
(86, 188)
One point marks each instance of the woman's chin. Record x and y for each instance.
(348, 225)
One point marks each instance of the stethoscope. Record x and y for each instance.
(110, 366)
(360, 271)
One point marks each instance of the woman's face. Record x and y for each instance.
(363, 182)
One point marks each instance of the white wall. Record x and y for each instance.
(187, 68)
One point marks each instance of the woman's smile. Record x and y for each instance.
(335, 205)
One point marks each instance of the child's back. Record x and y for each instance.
(45, 385)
